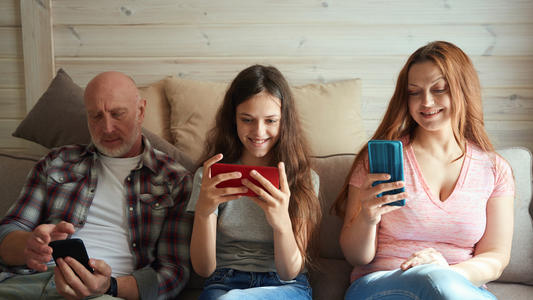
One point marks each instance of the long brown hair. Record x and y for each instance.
(466, 106)
(291, 148)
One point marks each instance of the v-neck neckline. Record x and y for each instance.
(462, 175)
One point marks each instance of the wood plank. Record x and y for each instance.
(507, 104)
(12, 73)
(494, 72)
(9, 13)
(501, 133)
(286, 40)
(37, 47)
(12, 104)
(11, 45)
(294, 12)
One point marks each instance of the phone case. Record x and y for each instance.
(387, 157)
(270, 173)
(73, 248)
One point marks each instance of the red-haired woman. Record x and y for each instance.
(455, 232)
(255, 247)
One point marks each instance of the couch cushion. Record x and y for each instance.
(329, 113)
(331, 279)
(520, 268)
(14, 169)
(157, 113)
(332, 171)
(512, 291)
(60, 104)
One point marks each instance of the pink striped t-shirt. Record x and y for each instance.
(452, 227)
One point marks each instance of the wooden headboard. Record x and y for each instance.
(309, 41)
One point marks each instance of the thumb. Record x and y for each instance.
(100, 267)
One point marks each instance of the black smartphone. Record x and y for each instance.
(387, 157)
(73, 248)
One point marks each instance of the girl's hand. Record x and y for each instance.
(373, 207)
(211, 196)
(273, 201)
(423, 257)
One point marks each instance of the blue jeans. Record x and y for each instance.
(227, 284)
(421, 282)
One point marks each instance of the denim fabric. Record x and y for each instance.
(227, 284)
(422, 282)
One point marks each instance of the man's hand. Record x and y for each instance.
(85, 284)
(37, 252)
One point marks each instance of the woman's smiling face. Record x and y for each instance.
(429, 97)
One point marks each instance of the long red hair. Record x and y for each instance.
(466, 106)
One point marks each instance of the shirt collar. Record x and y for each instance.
(148, 157)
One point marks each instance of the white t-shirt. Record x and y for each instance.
(106, 231)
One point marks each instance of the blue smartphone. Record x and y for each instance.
(387, 157)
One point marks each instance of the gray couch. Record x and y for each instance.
(332, 278)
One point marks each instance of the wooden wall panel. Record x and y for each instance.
(11, 73)
(308, 40)
(374, 70)
(293, 11)
(10, 12)
(38, 52)
(12, 104)
(236, 40)
(11, 45)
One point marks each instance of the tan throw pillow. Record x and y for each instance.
(329, 112)
(193, 106)
(157, 115)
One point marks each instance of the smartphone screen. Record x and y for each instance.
(270, 173)
(387, 157)
(73, 248)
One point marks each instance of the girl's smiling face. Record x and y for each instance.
(258, 127)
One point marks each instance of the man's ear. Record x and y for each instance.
(142, 109)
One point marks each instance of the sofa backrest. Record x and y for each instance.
(334, 169)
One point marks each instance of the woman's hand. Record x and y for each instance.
(423, 257)
(372, 207)
(211, 196)
(273, 201)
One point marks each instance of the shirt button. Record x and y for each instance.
(134, 245)
(131, 208)
(61, 179)
(157, 205)
(128, 179)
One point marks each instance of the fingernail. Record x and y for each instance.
(253, 172)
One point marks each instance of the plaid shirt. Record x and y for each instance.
(62, 185)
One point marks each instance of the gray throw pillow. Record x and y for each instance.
(58, 118)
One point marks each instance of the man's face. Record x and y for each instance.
(115, 119)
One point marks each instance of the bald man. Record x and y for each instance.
(124, 199)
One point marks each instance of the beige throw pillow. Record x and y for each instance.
(157, 115)
(329, 113)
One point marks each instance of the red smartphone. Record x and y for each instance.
(270, 173)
